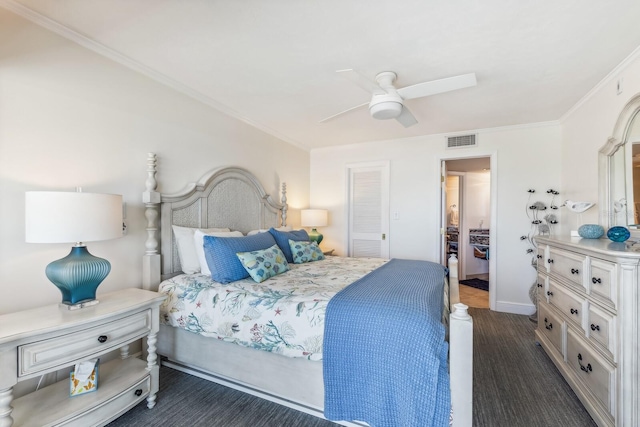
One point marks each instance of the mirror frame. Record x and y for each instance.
(613, 144)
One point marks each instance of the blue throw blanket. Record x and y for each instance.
(385, 354)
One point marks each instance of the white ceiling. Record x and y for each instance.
(273, 63)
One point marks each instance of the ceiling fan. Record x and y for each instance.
(387, 101)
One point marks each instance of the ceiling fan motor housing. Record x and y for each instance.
(383, 107)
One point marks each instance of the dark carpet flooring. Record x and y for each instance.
(515, 385)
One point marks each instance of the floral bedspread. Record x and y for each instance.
(284, 314)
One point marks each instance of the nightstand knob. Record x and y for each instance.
(102, 338)
(574, 271)
(550, 293)
(595, 280)
(138, 392)
(595, 327)
(574, 311)
(540, 285)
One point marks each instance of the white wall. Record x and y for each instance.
(69, 117)
(525, 157)
(586, 129)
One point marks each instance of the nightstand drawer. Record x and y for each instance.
(596, 373)
(114, 407)
(569, 303)
(64, 350)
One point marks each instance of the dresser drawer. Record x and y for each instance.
(114, 407)
(550, 326)
(602, 283)
(567, 265)
(569, 303)
(64, 350)
(596, 373)
(600, 327)
(541, 286)
(541, 260)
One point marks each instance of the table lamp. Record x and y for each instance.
(314, 218)
(68, 217)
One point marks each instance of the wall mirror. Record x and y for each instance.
(619, 172)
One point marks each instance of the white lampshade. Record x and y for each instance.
(67, 217)
(313, 217)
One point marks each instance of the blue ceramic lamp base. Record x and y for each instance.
(314, 236)
(78, 276)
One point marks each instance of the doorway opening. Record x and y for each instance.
(466, 221)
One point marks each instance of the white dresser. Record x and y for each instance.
(588, 322)
(48, 339)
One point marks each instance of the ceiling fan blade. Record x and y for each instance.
(438, 86)
(342, 112)
(405, 118)
(361, 80)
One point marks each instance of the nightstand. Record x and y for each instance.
(47, 339)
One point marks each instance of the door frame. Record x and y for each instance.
(493, 174)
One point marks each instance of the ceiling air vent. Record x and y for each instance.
(461, 141)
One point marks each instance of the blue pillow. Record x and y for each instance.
(264, 263)
(283, 237)
(220, 253)
(305, 252)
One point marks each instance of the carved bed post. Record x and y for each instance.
(151, 200)
(284, 204)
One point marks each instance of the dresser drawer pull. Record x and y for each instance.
(574, 311)
(574, 271)
(595, 280)
(538, 256)
(540, 285)
(595, 327)
(138, 392)
(583, 368)
(550, 293)
(549, 326)
(102, 338)
(550, 261)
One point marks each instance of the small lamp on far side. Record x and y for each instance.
(314, 218)
(74, 217)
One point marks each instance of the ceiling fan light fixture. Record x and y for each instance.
(385, 110)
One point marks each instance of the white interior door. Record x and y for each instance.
(368, 208)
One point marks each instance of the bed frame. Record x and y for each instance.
(234, 198)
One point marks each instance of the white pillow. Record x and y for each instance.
(198, 238)
(187, 249)
(252, 232)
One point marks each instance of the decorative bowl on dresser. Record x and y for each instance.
(47, 339)
(588, 322)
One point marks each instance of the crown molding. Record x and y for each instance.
(606, 80)
(107, 52)
(421, 138)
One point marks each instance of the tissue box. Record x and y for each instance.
(78, 384)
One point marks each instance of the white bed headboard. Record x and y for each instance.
(226, 197)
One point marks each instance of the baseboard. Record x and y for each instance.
(514, 308)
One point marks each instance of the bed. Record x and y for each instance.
(290, 374)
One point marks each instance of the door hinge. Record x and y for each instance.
(384, 236)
